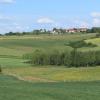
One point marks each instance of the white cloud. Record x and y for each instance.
(95, 14)
(7, 1)
(84, 24)
(45, 20)
(81, 23)
(13, 28)
(96, 22)
(95, 19)
(8, 23)
(3, 17)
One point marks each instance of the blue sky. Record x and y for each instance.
(26, 15)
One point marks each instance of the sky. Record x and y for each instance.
(27, 15)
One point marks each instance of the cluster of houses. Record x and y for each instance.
(74, 30)
(71, 30)
(62, 31)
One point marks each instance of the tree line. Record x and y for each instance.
(34, 32)
(44, 31)
(67, 58)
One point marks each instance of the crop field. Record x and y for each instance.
(22, 81)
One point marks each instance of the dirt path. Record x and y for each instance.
(29, 78)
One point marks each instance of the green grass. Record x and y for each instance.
(13, 47)
(33, 42)
(95, 41)
(12, 62)
(55, 74)
(13, 89)
(45, 82)
(5, 51)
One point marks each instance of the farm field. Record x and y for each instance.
(11, 88)
(22, 81)
(14, 47)
(94, 41)
(54, 74)
(49, 50)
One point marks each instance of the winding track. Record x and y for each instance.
(29, 78)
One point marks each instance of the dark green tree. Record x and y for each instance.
(0, 69)
(75, 45)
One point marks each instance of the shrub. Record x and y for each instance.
(74, 58)
(0, 69)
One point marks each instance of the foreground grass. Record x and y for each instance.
(38, 73)
(13, 89)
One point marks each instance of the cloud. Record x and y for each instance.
(84, 24)
(81, 23)
(96, 22)
(7, 1)
(11, 23)
(45, 20)
(95, 14)
(13, 27)
(95, 19)
(3, 17)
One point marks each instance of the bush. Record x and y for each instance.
(0, 69)
(70, 59)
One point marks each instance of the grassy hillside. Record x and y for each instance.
(14, 47)
(95, 41)
(12, 62)
(21, 81)
(56, 74)
(13, 89)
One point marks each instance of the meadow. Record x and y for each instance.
(13, 89)
(54, 74)
(14, 47)
(22, 81)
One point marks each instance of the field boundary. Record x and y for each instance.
(29, 78)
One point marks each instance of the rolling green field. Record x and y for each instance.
(94, 41)
(14, 47)
(22, 81)
(54, 74)
(13, 89)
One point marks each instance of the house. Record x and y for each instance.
(73, 30)
(82, 30)
(54, 32)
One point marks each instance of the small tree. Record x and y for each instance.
(67, 59)
(75, 45)
(0, 69)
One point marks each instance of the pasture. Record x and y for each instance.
(22, 81)
(14, 47)
(54, 74)
(13, 89)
